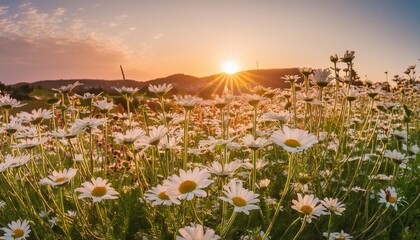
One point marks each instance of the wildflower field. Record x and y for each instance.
(332, 157)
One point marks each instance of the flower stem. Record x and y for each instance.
(285, 190)
(301, 228)
(228, 225)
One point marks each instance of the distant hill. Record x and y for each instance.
(183, 83)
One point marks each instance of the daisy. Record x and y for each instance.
(59, 178)
(127, 91)
(2, 204)
(6, 102)
(294, 140)
(348, 57)
(87, 96)
(321, 77)
(157, 196)
(30, 143)
(98, 190)
(37, 116)
(389, 196)
(271, 116)
(413, 150)
(17, 230)
(154, 136)
(242, 199)
(71, 214)
(308, 206)
(160, 89)
(291, 78)
(395, 156)
(227, 170)
(130, 136)
(305, 71)
(16, 161)
(253, 99)
(72, 132)
(253, 143)
(333, 205)
(103, 105)
(188, 184)
(338, 235)
(89, 123)
(264, 183)
(13, 126)
(68, 88)
(196, 232)
(400, 135)
(188, 102)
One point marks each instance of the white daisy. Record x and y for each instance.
(157, 196)
(389, 196)
(68, 88)
(308, 206)
(188, 184)
(188, 102)
(154, 136)
(59, 178)
(338, 235)
(160, 89)
(242, 199)
(17, 230)
(227, 170)
(395, 156)
(333, 205)
(89, 122)
(130, 136)
(253, 143)
(16, 161)
(98, 190)
(294, 140)
(37, 116)
(196, 232)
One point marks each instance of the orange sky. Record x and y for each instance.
(89, 39)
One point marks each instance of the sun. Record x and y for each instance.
(230, 67)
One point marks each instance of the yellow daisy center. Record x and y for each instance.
(306, 209)
(341, 238)
(392, 199)
(292, 143)
(99, 191)
(17, 233)
(187, 186)
(60, 179)
(238, 201)
(163, 196)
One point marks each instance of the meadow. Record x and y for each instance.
(325, 159)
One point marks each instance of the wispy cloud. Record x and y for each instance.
(3, 9)
(157, 36)
(51, 45)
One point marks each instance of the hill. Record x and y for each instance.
(183, 83)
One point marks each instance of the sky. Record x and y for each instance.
(61, 39)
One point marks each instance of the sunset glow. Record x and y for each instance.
(42, 40)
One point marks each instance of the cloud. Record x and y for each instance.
(3, 9)
(157, 36)
(38, 45)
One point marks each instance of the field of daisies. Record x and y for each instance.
(332, 157)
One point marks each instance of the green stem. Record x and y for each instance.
(285, 190)
(228, 225)
(301, 227)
